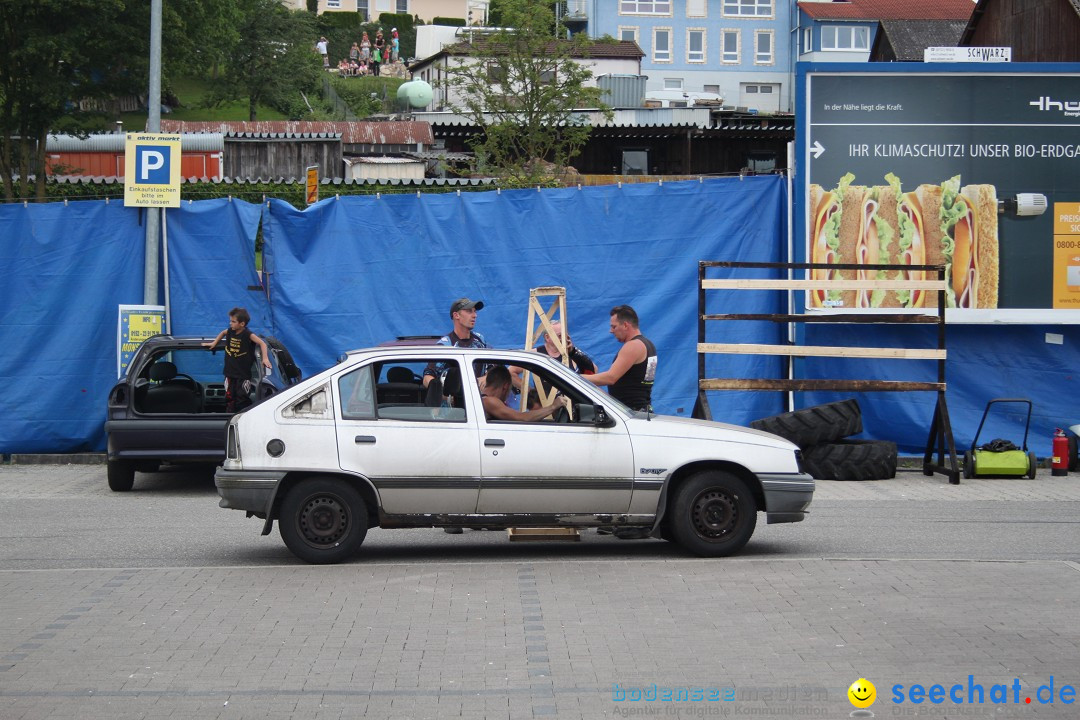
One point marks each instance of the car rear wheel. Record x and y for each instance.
(121, 475)
(323, 521)
(714, 514)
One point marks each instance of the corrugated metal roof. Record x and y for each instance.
(627, 117)
(281, 136)
(371, 160)
(442, 155)
(398, 132)
(113, 180)
(114, 142)
(617, 49)
(889, 10)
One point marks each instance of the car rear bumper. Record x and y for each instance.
(787, 497)
(188, 439)
(250, 491)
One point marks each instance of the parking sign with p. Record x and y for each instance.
(152, 170)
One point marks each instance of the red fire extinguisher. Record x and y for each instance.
(1060, 462)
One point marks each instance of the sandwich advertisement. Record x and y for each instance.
(973, 168)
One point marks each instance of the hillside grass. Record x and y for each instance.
(191, 92)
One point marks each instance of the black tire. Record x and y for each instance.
(852, 460)
(1074, 458)
(969, 464)
(815, 425)
(323, 521)
(121, 475)
(713, 514)
(1033, 465)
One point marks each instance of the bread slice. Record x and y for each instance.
(983, 199)
(851, 208)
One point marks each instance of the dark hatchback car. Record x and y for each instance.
(170, 407)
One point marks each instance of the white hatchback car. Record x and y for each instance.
(364, 445)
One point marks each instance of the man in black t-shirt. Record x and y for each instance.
(239, 355)
(630, 378)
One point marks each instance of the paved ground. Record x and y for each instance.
(527, 632)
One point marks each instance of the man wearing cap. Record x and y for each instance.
(463, 313)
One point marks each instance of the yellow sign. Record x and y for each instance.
(1067, 255)
(152, 170)
(136, 323)
(312, 194)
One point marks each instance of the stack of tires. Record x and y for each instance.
(821, 433)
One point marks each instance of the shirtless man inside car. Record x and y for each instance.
(495, 391)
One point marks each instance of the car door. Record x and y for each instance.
(555, 467)
(423, 460)
(173, 414)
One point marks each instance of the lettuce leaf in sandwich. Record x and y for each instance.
(954, 206)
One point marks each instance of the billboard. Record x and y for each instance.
(971, 167)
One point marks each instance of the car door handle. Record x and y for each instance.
(494, 442)
(364, 439)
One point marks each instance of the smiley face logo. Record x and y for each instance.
(862, 693)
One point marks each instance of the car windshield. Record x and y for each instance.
(197, 363)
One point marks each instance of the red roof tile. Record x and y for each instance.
(889, 9)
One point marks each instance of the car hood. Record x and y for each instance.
(691, 428)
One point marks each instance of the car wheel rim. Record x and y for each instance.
(714, 514)
(323, 521)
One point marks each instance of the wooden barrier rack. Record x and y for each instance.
(940, 439)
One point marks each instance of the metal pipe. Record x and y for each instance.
(153, 124)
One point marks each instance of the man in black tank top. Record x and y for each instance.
(630, 378)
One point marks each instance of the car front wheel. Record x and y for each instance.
(121, 475)
(323, 521)
(714, 514)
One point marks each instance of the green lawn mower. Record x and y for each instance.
(1000, 458)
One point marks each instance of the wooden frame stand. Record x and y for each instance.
(540, 323)
(940, 439)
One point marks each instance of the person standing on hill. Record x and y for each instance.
(365, 48)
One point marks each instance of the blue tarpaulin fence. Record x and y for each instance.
(356, 271)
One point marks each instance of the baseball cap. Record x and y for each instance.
(466, 304)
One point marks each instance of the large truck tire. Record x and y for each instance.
(851, 460)
(815, 425)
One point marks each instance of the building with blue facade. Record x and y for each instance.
(738, 49)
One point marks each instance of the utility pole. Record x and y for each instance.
(153, 124)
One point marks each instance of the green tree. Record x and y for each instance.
(273, 60)
(51, 58)
(521, 85)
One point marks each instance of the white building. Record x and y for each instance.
(618, 58)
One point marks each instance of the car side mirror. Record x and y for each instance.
(594, 414)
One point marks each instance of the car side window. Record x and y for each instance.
(357, 395)
(541, 387)
(394, 390)
(314, 404)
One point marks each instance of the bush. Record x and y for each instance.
(357, 94)
(449, 22)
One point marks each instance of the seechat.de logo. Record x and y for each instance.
(152, 164)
